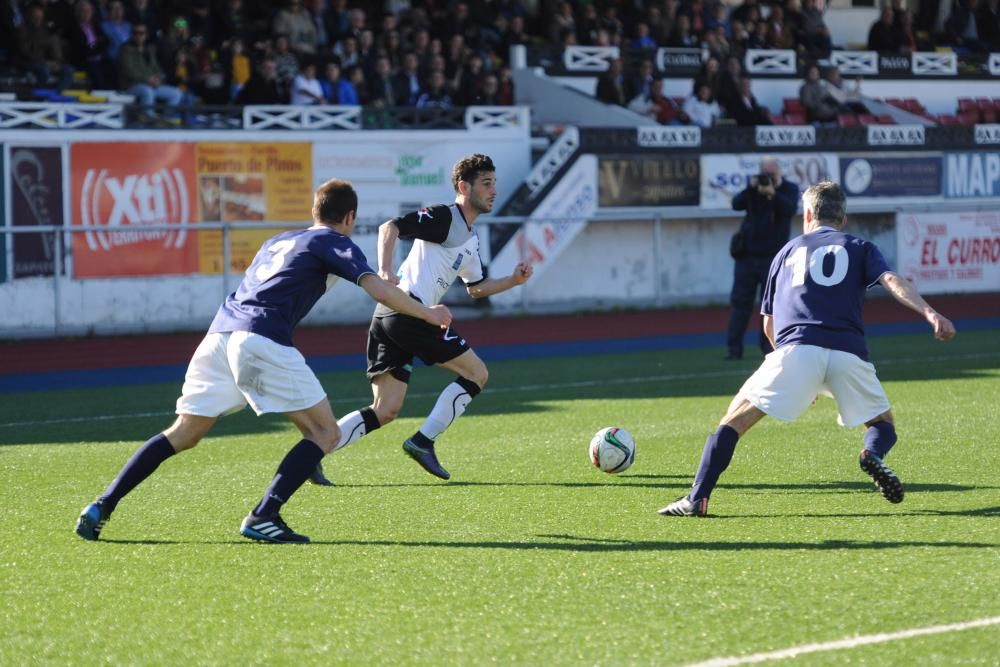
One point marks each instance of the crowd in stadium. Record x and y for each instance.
(434, 53)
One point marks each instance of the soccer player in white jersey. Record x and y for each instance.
(444, 248)
(812, 311)
(248, 357)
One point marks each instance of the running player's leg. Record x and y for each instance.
(450, 405)
(320, 435)
(209, 391)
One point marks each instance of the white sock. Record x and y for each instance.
(352, 427)
(449, 407)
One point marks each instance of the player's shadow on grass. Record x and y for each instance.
(982, 511)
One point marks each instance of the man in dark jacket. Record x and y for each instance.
(263, 87)
(769, 202)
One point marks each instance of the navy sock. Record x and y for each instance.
(293, 471)
(715, 458)
(143, 463)
(880, 437)
(421, 440)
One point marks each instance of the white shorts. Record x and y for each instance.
(791, 377)
(229, 370)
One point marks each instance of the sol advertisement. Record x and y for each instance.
(950, 252)
(725, 176)
(122, 188)
(254, 182)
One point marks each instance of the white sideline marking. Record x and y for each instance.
(508, 390)
(853, 642)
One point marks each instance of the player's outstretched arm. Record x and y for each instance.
(522, 272)
(401, 302)
(903, 291)
(388, 232)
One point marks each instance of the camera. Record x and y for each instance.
(764, 180)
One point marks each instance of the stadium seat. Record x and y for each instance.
(947, 119)
(989, 116)
(968, 117)
(847, 120)
(792, 105)
(885, 119)
(795, 118)
(777, 119)
(966, 104)
(867, 119)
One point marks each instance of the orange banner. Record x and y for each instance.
(250, 182)
(123, 187)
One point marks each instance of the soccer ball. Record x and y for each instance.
(612, 449)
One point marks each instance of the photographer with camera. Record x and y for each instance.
(769, 202)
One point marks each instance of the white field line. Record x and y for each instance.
(852, 642)
(521, 388)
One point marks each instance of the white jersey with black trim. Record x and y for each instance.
(444, 248)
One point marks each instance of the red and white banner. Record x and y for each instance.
(950, 252)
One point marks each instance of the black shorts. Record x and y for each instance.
(393, 341)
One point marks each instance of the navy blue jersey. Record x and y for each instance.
(285, 280)
(815, 290)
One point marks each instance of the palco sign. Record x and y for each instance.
(895, 135)
(657, 136)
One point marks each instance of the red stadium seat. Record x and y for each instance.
(947, 119)
(792, 105)
(968, 117)
(885, 119)
(966, 104)
(867, 119)
(989, 116)
(795, 118)
(777, 119)
(847, 120)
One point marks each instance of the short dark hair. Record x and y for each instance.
(469, 167)
(827, 201)
(333, 201)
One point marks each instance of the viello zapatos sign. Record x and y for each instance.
(769, 136)
(895, 135)
(648, 181)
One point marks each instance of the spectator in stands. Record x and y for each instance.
(716, 44)
(436, 94)
(769, 202)
(140, 74)
(745, 109)
(380, 90)
(740, 38)
(682, 36)
(710, 76)
(306, 88)
(562, 21)
(655, 105)
(820, 107)
(760, 37)
(814, 36)
(336, 88)
(906, 36)
(659, 27)
(40, 52)
(700, 107)
(338, 20)
(287, 63)
(883, 36)
(233, 23)
(237, 72)
(849, 97)
(988, 23)
(314, 10)
(297, 24)
(506, 91)
(719, 19)
(778, 34)
(963, 28)
(406, 83)
(356, 75)
(516, 34)
(263, 87)
(730, 88)
(347, 52)
(199, 15)
(639, 82)
(116, 28)
(611, 84)
(87, 47)
(141, 11)
(747, 12)
(175, 38)
(642, 40)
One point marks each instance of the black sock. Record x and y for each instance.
(370, 419)
(421, 440)
(715, 458)
(294, 470)
(143, 463)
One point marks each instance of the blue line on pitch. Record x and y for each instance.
(111, 377)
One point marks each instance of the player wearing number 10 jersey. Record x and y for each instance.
(812, 311)
(247, 357)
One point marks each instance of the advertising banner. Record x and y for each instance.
(3, 223)
(724, 176)
(647, 181)
(395, 173)
(36, 198)
(251, 182)
(123, 187)
(950, 252)
(971, 175)
(559, 219)
(902, 176)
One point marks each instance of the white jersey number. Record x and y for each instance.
(799, 261)
(278, 251)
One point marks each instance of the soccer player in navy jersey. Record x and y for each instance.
(247, 356)
(812, 311)
(444, 248)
